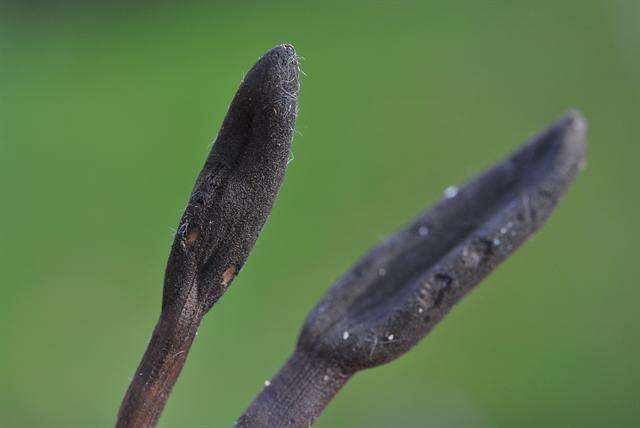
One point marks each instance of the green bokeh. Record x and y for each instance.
(107, 113)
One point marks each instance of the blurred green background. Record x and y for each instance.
(107, 112)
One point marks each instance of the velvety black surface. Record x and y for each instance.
(228, 207)
(393, 296)
(237, 186)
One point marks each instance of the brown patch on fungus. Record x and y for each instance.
(228, 274)
(191, 238)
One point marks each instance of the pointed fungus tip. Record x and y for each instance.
(472, 230)
(575, 127)
(564, 143)
(575, 120)
(279, 64)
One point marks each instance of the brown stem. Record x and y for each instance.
(160, 367)
(297, 395)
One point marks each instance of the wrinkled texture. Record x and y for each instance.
(228, 207)
(237, 186)
(391, 298)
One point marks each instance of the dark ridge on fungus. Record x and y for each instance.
(229, 204)
(464, 243)
(237, 186)
(395, 294)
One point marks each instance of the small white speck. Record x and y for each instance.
(325, 378)
(345, 335)
(496, 242)
(382, 271)
(420, 310)
(423, 231)
(267, 382)
(390, 337)
(450, 192)
(503, 230)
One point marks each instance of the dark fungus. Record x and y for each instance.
(386, 303)
(228, 207)
(392, 297)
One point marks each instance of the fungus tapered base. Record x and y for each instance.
(159, 369)
(297, 395)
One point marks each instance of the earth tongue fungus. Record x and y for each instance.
(386, 302)
(229, 204)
